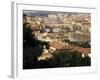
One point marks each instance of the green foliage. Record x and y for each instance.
(85, 45)
(66, 40)
(70, 59)
(59, 59)
(81, 44)
(32, 48)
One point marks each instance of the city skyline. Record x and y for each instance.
(50, 36)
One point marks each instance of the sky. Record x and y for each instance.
(45, 13)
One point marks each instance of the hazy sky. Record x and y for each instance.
(45, 13)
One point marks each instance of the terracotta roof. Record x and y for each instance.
(72, 48)
(82, 50)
